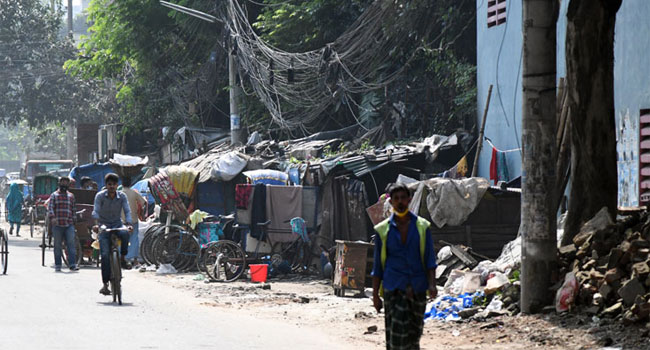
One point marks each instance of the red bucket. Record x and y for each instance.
(259, 272)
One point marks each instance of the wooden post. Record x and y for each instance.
(479, 147)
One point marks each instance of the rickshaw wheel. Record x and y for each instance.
(4, 251)
(31, 224)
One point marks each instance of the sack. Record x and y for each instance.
(227, 167)
(166, 269)
(566, 295)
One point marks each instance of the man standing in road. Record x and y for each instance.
(404, 270)
(109, 205)
(61, 211)
(137, 204)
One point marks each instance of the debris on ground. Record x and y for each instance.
(609, 266)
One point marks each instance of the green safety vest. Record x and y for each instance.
(382, 229)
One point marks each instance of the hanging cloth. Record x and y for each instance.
(493, 166)
(461, 167)
(502, 167)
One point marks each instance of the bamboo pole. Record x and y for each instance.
(482, 132)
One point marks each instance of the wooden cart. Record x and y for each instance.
(351, 261)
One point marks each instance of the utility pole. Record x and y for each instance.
(538, 217)
(70, 18)
(235, 119)
(70, 130)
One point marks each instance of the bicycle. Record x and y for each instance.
(301, 252)
(114, 262)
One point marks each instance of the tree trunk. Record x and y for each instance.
(590, 81)
(538, 223)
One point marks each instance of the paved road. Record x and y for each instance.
(42, 309)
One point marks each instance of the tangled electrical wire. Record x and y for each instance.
(297, 88)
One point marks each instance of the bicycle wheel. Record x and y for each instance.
(164, 250)
(31, 223)
(116, 277)
(190, 250)
(229, 261)
(4, 251)
(43, 246)
(180, 249)
(208, 259)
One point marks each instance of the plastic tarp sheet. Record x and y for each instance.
(142, 187)
(450, 202)
(212, 197)
(228, 166)
(126, 160)
(95, 171)
(268, 177)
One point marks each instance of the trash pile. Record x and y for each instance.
(607, 268)
(475, 290)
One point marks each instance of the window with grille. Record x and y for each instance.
(496, 12)
(644, 157)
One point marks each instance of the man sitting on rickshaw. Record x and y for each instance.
(109, 205)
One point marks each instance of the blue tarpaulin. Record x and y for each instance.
(95, 171)
(142, 187)
(212, 197)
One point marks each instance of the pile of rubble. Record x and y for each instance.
(611, 264)
(472, 289)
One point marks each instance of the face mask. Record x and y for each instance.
(63, 188)
(401, 214)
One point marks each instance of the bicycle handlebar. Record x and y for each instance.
(103, 228)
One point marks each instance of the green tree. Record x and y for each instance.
(34, 86)
(163, 66)
(21, 139)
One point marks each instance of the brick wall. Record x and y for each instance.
(86, 142)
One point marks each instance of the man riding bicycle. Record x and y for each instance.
(109, 205)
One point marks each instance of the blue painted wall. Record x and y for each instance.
(631, 91)
(499, 63)
(499, 58)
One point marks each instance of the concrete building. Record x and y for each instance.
(499, 60)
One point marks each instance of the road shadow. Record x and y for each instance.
(26, 243)
(110, 303)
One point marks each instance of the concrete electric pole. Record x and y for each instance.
(235, 120)
(70, 18)
(538, 217)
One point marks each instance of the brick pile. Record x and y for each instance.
(611, 262)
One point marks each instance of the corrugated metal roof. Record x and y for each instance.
(203, 163)
(364, 164)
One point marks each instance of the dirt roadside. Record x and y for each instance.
(309, 302)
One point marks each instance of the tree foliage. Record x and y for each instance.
(163, 65)
(33, 85)
(21, 139)
(168, 68)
